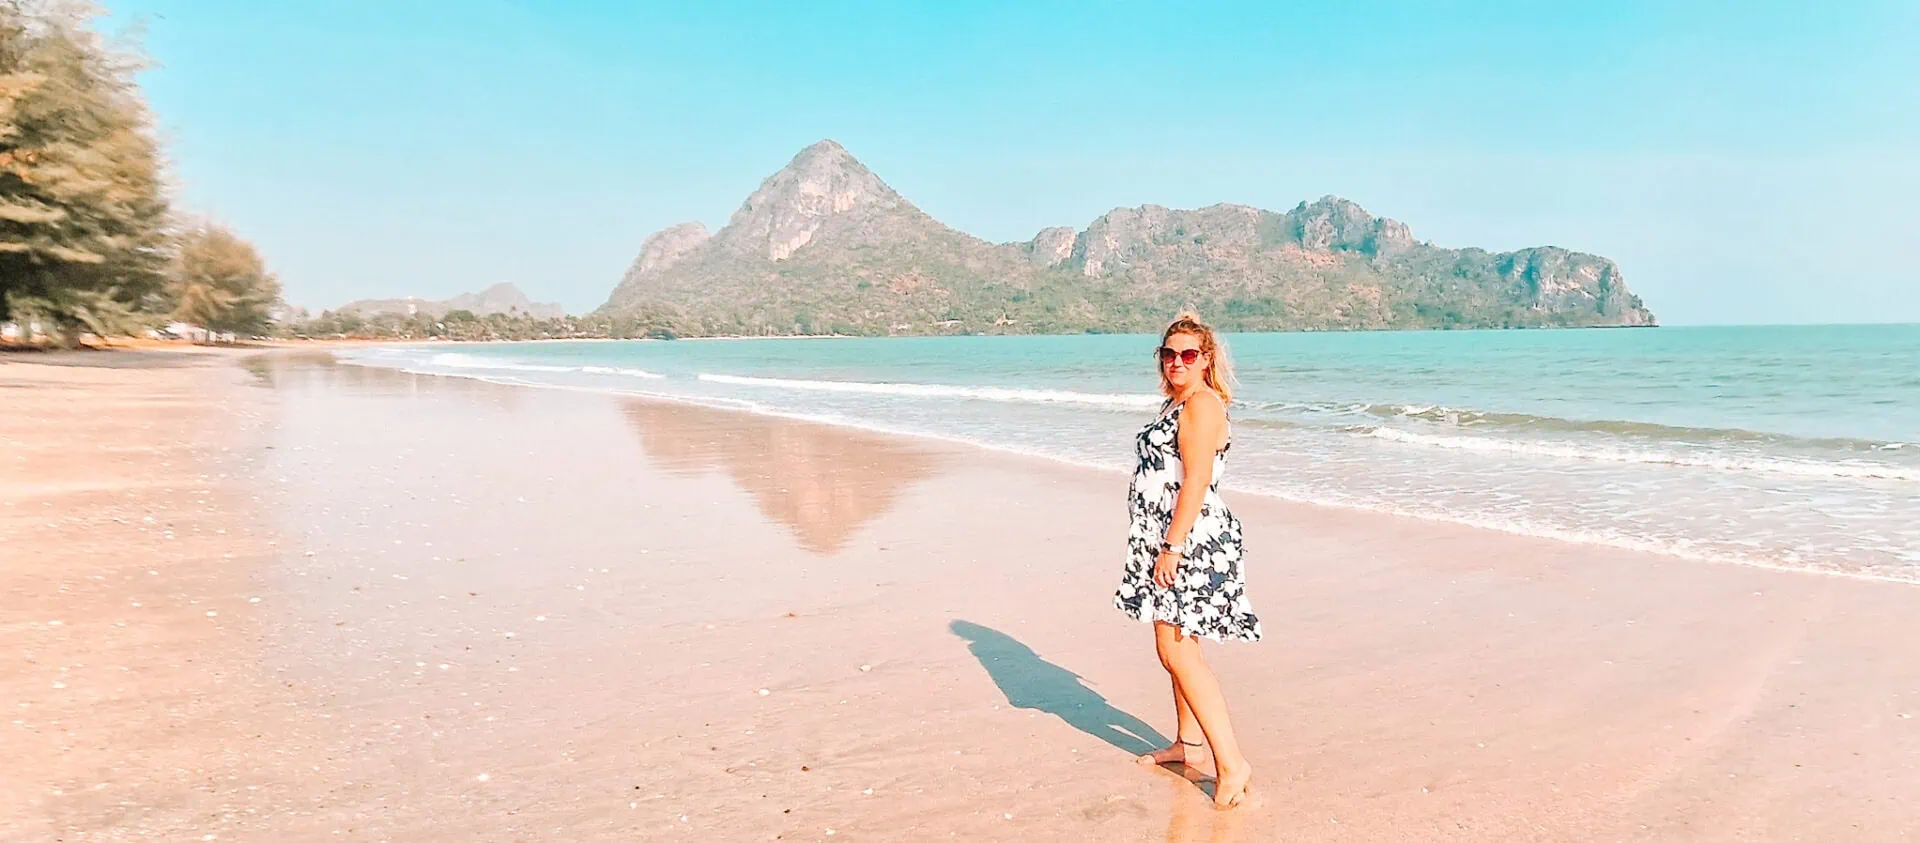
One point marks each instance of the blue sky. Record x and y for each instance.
(1744, 162)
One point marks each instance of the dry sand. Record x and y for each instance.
(493, 613)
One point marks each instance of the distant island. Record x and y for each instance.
(499, 298)
(825, 247)
(499, 312)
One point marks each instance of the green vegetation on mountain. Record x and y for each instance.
(824, 246)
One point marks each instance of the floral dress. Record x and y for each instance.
(1209, 594)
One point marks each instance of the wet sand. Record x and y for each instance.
(488, 612)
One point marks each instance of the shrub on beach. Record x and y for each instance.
(221, 284)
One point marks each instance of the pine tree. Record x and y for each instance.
(83, 210)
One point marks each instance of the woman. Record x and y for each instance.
(1184, 551)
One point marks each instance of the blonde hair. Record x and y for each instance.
(1219, 374)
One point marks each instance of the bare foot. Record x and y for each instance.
(1230, 787)
(1176, 753)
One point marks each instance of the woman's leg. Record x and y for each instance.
(1195, 685)
(1187, 736)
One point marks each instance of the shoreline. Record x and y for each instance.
(492, 613)
(1523, 530)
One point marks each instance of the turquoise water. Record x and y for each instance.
(1793, 447)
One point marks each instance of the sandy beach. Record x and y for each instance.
(252, 596)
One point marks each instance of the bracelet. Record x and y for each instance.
(1175, 549)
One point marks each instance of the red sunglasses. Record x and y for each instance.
(1187, 356)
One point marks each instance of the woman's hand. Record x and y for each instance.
(1166, 568)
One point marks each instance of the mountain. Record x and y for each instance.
(499, 298)
(825, 246)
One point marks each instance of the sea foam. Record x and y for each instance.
(1599, 453)
(928, 390)
(456, 360)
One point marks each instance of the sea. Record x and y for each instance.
(1783, 447)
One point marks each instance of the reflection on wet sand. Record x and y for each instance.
(822, 482)
(318, 368)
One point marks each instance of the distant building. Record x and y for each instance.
(184, 331)
(191, 333)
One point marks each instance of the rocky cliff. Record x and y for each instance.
(825, 246)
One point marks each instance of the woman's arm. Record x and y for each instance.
(1200, 425)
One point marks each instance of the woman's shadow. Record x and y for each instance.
(1032, 682)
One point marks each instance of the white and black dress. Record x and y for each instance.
(1209, 594)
